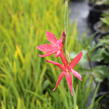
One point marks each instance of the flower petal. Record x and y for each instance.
(48, 54)
(76, 74)
(59, 80)
(68, 77)
(76, 60)
(57, 64)
(46, 47)
(63, 58)
(51, 37)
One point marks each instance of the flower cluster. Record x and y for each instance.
(56, 47)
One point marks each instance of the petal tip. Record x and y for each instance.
(54, 89)
(72, 94)
(41, 56)
(47, 61)
(48, 33)
(81, 53)
(37, 47)
(81, 79)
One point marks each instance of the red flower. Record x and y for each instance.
(67, 71)
(54, 47)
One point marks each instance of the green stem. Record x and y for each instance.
(66, 17)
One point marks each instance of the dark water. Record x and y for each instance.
(79, 12)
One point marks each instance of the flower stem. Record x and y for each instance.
(66, 17)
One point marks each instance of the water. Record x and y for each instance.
(79, 12)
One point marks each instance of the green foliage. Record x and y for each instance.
(26, 80)
(100, 51)
(100, 54)
(99, 1)
(105, 18)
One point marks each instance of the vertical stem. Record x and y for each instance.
(66, 18)
(64, 34)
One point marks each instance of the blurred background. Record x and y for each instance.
(26, 80)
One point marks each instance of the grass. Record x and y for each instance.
(26, 80)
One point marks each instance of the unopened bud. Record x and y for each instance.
(63, 37)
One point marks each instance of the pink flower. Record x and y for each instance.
(54, 47)
(68, 71)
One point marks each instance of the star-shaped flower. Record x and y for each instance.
(67, 71)
(54, 47)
